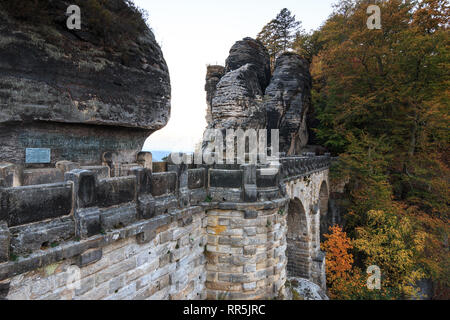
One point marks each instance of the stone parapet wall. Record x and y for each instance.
(234, 230)
(159, 259)
(246, 251)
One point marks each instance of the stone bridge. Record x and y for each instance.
(121, 231)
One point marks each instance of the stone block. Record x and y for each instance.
(267, 177)
(127, 169)
(86, 284)
(87, 222)
(225, 178)
(146, 236)
(118, 217)
(143, 180)
(66, 166)
(101, 172)
(146, 206)
(145, 159)
(185, 218)
(164, 260)
(165, 204)
(41, 176)
(196, 178)
(249, 250)
(10, 175)
(22, 205)
(32, 237)
(250, 231)
(248, 174)
(88, 257)
(250, 214)
(4, 242)
(249, 286)
(84, 187)
(177, 254)
(158, 167)
(114, 191)
(164, 183)
(250, 193)
(165, 236)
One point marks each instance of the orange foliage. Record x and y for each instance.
(338, 260)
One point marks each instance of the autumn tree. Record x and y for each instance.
(382, 100)
(339, 260)
(278, 35)
(345, 281)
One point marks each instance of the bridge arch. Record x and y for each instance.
(298, 240)
(325, 217)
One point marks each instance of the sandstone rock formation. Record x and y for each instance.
(245, 96)
(213, 75)
(287, 100)
(250, 51)
(235, 93)
(64, 91)
(303, 289)
(237, 102)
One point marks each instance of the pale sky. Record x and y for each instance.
(195, 33)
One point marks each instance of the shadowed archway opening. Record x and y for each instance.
(325, 218)
(298, 241)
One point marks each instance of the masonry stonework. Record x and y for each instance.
(246, 252)
(309, 196)
(171, 265)
(184, 234)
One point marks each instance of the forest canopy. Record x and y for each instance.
(381, 98)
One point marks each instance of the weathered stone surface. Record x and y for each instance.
(213, 75)
(305, 290)
(42, 176)
(28, 204)
(66, 166)
(250, 51)
(102, 172)
(196, 178)
(115, 218)
(171, 252)
(234, 94)
(164, 183)
(88, 222)
(225, 178)
(146, 236)
(4, 242)
(4, 289)
(9, 175)
(90, 256)
(54, 81)
(245, 97)
(287, 101)
(113, 191)
(29, 238)
(237, 102)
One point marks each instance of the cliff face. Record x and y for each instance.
(250, 51)
(64, 91)
(235, 93)
(287, 101)
(245, 95)
(213, 76)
